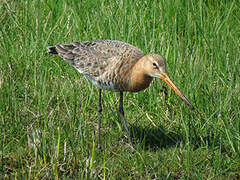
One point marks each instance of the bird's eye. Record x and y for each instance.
(154, 64)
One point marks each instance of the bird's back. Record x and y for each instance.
(107, 63)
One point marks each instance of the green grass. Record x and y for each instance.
(48, 111)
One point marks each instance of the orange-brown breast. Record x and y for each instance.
(139, 80)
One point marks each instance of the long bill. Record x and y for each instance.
(165, 77)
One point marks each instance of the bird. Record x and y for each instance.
(117, 66)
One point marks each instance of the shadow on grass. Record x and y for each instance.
(154, 138)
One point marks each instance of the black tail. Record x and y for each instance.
(52, 50)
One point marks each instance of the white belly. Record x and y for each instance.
(106, 85)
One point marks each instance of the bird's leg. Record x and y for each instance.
(121, 113)
(99, 116)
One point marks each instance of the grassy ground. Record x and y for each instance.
(48, 111)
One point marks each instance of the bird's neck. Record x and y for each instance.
(139, 80)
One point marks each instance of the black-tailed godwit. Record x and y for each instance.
(116, 66)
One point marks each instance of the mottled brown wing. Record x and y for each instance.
(94, 58)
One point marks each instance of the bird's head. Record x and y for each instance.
(155, 66)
